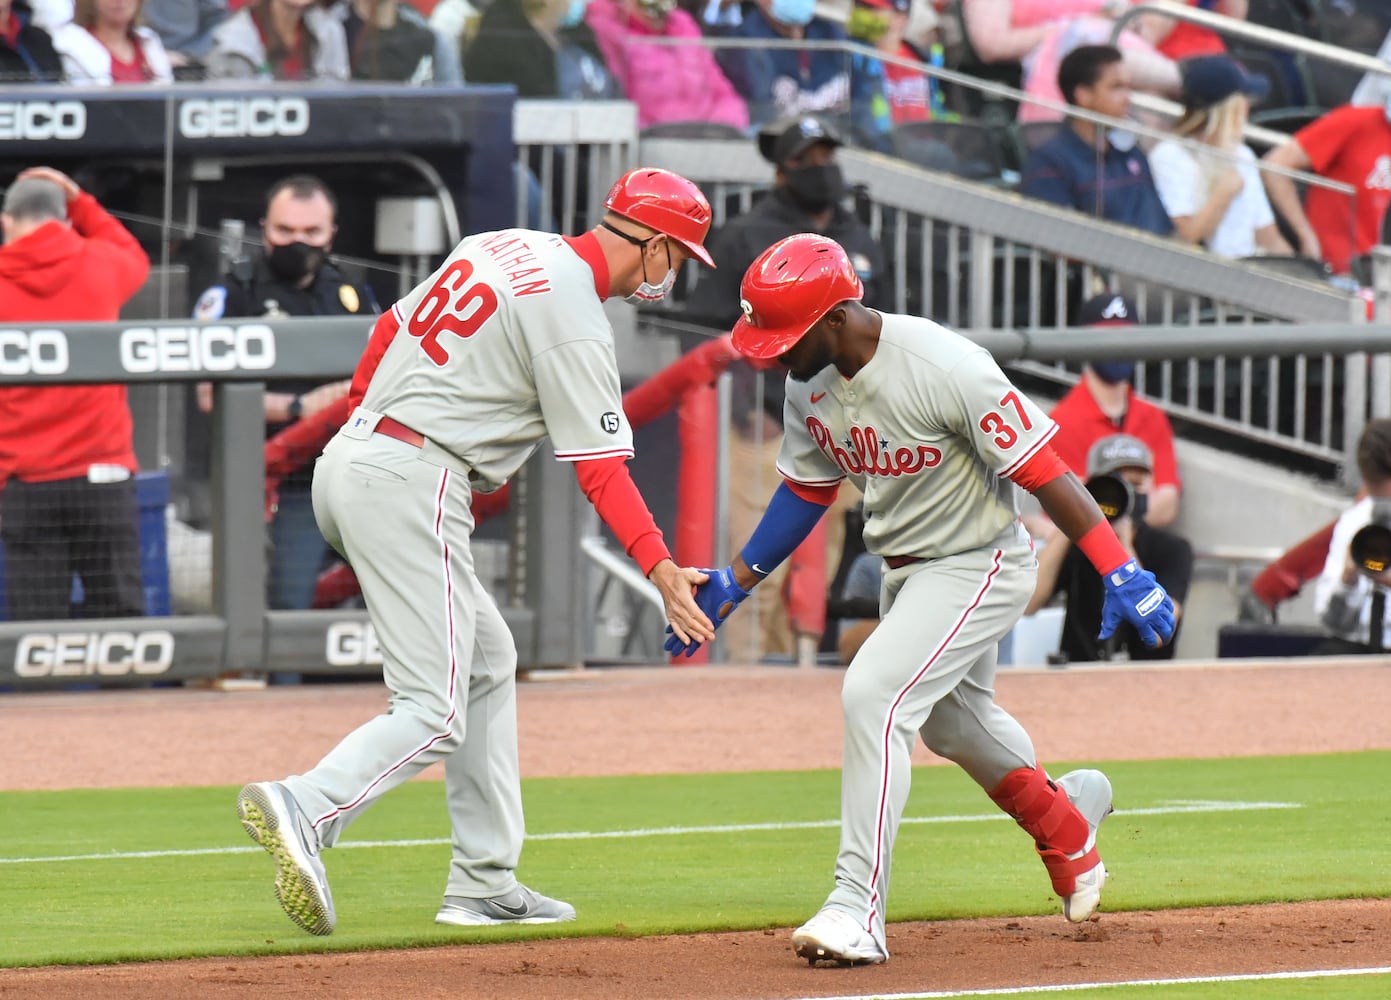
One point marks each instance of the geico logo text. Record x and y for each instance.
(233, 118)
(250, 347)
(43, 119)
(83, 654)
(33, 352)
(352, 644)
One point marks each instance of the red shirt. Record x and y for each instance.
(1187, 40)
(1081, 424)
(291, 67)
(129, 72)
(1351, 145)
(67, 274)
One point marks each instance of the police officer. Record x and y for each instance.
(292, 276)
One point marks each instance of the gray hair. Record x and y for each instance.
(35, 199)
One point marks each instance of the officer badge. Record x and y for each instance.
(347, 295)
(211, 304)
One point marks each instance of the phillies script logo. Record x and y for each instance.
(864, 452)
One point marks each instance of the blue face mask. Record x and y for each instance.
(1114, 372)
(574, 14)
(793, 11)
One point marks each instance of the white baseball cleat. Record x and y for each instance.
(274, 820)
(835, 936)
(520, 906)
(1080, 878)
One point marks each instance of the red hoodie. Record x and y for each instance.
(67, 274)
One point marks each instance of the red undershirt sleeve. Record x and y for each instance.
(823, 496)
(1040, 470)
(609, 487)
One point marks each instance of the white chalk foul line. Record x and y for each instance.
(1170, 808)
(1014, 991)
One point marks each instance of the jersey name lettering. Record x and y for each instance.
(866, 453)
(515, 258)
(449, 307)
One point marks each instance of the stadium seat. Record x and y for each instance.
(1358, 25)
(692, 130)
(967, 149)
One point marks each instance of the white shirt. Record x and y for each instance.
(1179, 178)
(1344, 609)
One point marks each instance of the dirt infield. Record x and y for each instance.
(710, 719)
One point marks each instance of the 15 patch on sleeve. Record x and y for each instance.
(211, 304)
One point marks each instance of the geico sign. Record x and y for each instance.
(250, 347)
(82, 654)
(43, 119)
(33, 352)
(352, 644)
(234, 118)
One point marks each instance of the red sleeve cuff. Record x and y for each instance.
(1042, 468)
(822, 496)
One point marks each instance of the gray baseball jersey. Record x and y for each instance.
(505, 344)
(927, 430)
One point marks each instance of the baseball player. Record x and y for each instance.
(505, 344)
(927, 426)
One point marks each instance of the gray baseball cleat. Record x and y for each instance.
(274, 820)
(1090, 791)
(520, 906)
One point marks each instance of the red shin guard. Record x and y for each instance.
(1045, 813)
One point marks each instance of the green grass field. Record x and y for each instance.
(719, 852)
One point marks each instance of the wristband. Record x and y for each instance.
(1103, 549)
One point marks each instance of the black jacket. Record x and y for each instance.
(509, 49)
(32, 58)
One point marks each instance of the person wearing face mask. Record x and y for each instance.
(1102, 403)
(544, 48)
(1063, 569)
(292, 276)
(506, 345)
(807, 194)
(780, 82)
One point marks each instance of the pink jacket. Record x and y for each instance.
(668, 83)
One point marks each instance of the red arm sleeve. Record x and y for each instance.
(382, 334)
(1045, 466)
(609, 487)
(304, 439)
(129, 263)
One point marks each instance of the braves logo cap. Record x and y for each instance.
(1116, 452)
(1108, 309)
(784, 141)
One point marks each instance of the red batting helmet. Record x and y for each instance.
(665, 202)
(788, 289)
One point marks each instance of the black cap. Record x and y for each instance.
(1109, 309)
(1209, 80)
(781, 142)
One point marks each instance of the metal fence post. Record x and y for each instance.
(724, 395)
(1381, 363)
(982, 280)
(238, 511)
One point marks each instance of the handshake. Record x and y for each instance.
(717, 597)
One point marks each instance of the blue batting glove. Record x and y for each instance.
(1133, 595)
(717, 597)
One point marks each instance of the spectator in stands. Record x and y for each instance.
(858, 606)
(50, 15)
(1350, 599)
(1087, 166)
(67, 460)
(1214, 200)
(669, 83)
(1102, 403)
(185, 28)
(1063, 569)
(1181, 40)
(455, 21)
(26, 50)
(386, 43)
(781, 82)
(106, 43)
(280, 40)
(807, 192)
(1040, 34)
(292, 277)
(544, 48)
(910, 93)
(1351, 145)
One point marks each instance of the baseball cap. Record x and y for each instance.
(1116, 452)
(1209, 80)
(1108, 309)
(780, 143)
